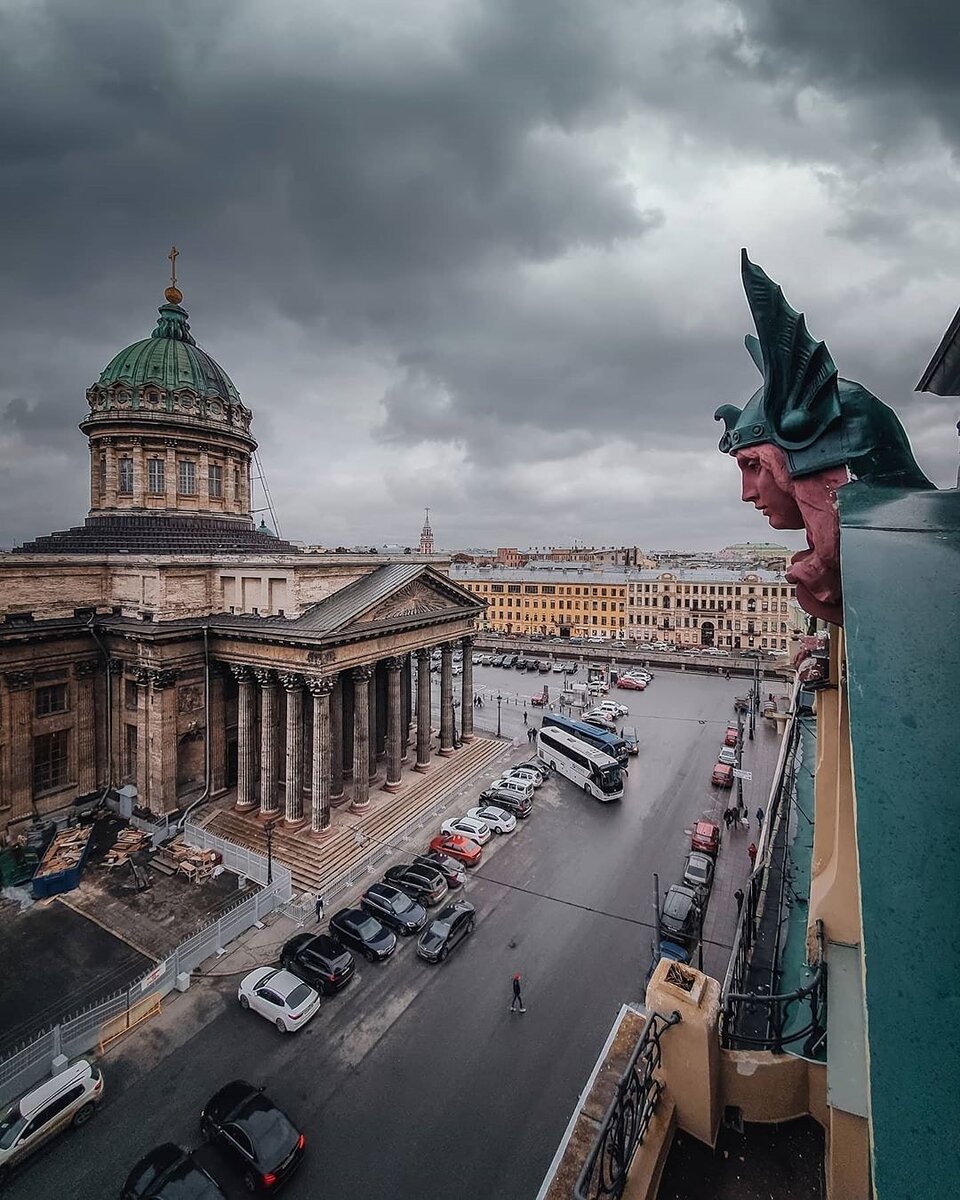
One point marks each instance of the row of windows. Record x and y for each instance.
(546, 589)
(497, 619)
(157, 477)
(703, 589)
(597, 605)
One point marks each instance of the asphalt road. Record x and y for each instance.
(417, 1082)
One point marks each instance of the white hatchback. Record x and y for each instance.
(279, 996)
(525, 775)
(615, 709)
(497, 819)
(468, 827)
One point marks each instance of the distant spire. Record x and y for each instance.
(426, 535)
(173, 295)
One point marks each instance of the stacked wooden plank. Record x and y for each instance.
(188, 860)
(65, 851)
(130, 841)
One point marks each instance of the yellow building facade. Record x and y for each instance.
(549, 600)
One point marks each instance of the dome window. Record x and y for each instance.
(187, 477)
(156, 478)
(125, 476)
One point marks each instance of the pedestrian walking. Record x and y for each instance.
(752, 851)
(524, 716)
(517, 1001)
(759, 816)
(738, 896)
(318, 909)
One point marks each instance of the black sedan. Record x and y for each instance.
(453, 872)
(319, 960)
(450, 926)
(169, 1173)
(363, 931)
(394, 908)
(424, 884)
(257, 1134)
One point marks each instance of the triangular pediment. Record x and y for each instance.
(415, 599)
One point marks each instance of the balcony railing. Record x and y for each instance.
(626, 1120)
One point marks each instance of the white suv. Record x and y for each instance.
(69, 1098)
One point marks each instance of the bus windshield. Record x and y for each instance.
(609, 778)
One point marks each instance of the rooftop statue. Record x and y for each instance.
(804, 434)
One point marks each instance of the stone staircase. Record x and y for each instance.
(319, 865)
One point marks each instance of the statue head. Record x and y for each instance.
(804, 434)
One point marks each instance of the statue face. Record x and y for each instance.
(766, 483)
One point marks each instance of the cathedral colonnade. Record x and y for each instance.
(309, 742)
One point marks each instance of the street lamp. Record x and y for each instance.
(268, 830)
(499, 699)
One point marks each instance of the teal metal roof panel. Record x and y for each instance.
(900, 554)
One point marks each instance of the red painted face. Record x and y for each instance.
(766, 484)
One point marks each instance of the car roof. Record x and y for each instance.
(387, 890)
(230, 1097)
(705, 827)
(699, 856)
(320, 943)
(42, 1095)
(454, 907)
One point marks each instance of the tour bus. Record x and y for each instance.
(610, 743)
(596, 772)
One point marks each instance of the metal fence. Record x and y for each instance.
(115, 1014)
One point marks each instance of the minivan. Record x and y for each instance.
(521, 788)
(69, 1098)
(508, 799)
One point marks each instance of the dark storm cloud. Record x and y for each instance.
(443, 245)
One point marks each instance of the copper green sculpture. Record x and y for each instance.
(805, 433)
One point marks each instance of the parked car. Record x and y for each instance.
(706, 838)
(520, 806)
(614, 708)
(257, 1134)
(486, 660)
(558, 668)
(458, 847)
(364, 932)
(602, 720)
(497, 819)
(722, 775)
(169, 1173)
(666, 949)
(453, 873)
(718, 653)
(570, 668)
(525, 775)
(680, 914)
(629, 735)
(497, 660)
(510, 660)
(280, 996)
(319, 960)
(470, 827)
(425, 883)
(448, 928)
(537, 765)
(698, 871)
(544, 667)
(728, 755)
(394, 908)
(512, 786)
(731, 737)
(70, 1098)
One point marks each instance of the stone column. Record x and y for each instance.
(293, 686)
(423, 710)
(269, 801)
(446, 699)
(361, 738)
(217, 732)
(246, 750)
(19, 705)
(381, 711)
(336, 742)
(142, 677)
(139, 473)
(203, 478)
(348, 694)
(86, 750)
(321, 691)
(466, 691)
(406, 678)
(162, 745)
(170, 474)
(372, 706)
(394, 724)
(117, 753)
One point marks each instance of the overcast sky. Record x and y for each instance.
(479, 255)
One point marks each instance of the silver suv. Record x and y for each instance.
(69, 1098)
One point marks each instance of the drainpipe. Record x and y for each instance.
(207, 762)
(106, 661)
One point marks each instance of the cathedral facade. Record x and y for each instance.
(170, 645)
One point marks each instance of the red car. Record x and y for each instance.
(632, 685)
(722, 775)
(730, 737)
(705, 837)
(457, 846)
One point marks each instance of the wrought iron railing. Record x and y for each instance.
(626, 1120)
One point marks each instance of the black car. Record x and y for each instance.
(680, 915)
(425, 884)
(448, 928)
(520, 664)
(358, 928)
(521, 809)
(453, 872)
(320, 960)
(394, 908)
(169, 1173)
(260, 1136)
(545, 667)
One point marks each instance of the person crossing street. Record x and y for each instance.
(517, 1001)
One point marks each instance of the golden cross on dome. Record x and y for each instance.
(173, 256)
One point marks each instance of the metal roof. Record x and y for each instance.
(351, 601)
(901, 598)
(942, 373)
(564, 573)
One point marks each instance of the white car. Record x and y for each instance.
(498, 819)
(728, 755)
(617, 710)
(601, 716)
(279, 996)
(468, 827)
(526, 774)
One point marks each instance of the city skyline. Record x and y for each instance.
(484, 258)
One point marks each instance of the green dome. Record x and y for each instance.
(170, 359)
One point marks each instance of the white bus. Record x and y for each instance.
(597, 773)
